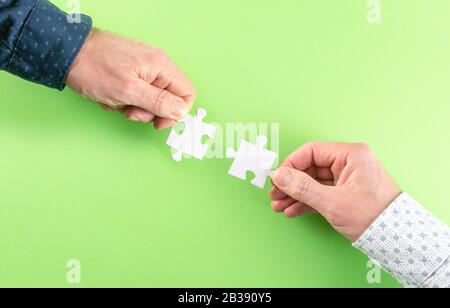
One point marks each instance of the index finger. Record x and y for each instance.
(178, 84)
(172, 79)
(320, 154)
(181, 86)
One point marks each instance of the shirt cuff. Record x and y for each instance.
(407, 241)
(48, 45)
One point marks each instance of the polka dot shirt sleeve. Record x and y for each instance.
(39, 42)
(410, 244)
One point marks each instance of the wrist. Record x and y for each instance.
(370, 211)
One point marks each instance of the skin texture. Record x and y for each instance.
(343, 182)
(133, 78)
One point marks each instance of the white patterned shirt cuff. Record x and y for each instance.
(409, 243)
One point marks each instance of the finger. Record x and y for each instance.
(327, 182)
(324, 173)
(179, 85)
(161, 123)
(298, 209)
(303, 188)
(176, 82)
(162, 80)
(325, 155)
(159, 102)
(183, 87)
(319, 173)
(280, 205)
(139, 115)
(276, 194)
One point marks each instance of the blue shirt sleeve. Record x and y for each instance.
(39, 42)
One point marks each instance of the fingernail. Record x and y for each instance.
(282, 177)
(135, 119)
(179, 110)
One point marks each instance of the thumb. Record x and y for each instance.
(302, 187)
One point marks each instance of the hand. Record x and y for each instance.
(134, 78)
(343, 182)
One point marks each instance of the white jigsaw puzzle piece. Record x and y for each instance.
(190, 141)
(254, 158)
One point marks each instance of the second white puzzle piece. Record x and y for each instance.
(253, 158)
(189, 142)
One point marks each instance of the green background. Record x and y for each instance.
(77, 182)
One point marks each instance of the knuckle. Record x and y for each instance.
(161, 53)
(164, 78)
(363, 148)
(141, 44)
(154, 55)
(311, 144)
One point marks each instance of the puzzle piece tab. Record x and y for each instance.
(254, 158)
(190, 141)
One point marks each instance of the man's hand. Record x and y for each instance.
(133, 78)
(345, 183)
